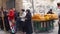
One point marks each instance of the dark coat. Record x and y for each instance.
(50, 12)
(6, 21)
(28, 23)
(16, 15)
(17, 19)
(59, 27)
(1, 22)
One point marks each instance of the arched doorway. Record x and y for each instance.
(10, 4)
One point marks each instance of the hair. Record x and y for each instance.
(28, 10)
(50, 9)
(22, 10)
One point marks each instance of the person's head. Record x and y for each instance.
(14, 9)
(1, 8)
(50, 9)
(59, 17)
(22, 10)
(27, 11)
(11, 10)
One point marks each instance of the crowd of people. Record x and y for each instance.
(11, 20)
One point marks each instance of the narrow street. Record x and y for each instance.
(55, 30)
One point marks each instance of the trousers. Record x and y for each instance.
(59, 29)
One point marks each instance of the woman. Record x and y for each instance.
(22, 23)
(28, 22)
(12, 21)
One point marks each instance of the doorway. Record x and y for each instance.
(10, 4)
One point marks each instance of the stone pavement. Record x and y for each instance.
(55, 31)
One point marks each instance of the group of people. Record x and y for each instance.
(10, 19)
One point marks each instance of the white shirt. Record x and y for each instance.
(23, 16)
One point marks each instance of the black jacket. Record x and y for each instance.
(16, 15)
(50, 12)
(28, 23)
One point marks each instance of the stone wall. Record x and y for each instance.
(4, 3)
(0, 3)
(19, 5)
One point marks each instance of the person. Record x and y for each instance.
(1, 21)
(28, 22)
(51, 21)
(6, 22)
(59, 25)
(50, 12)
(23, 21)
(16, 15)
(12, 21)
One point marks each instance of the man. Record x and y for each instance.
(50, 12)
(6, 22)
(59, 21)
(16, 15)
(52, 21)
(1, 20)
